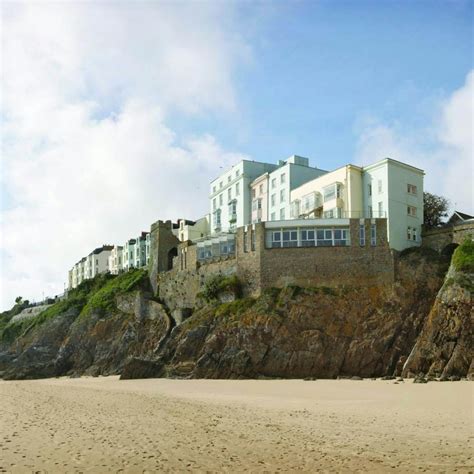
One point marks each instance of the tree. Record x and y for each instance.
(435, 210)
(19, 299)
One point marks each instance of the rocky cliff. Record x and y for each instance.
(114, 325)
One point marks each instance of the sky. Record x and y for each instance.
(115, 114)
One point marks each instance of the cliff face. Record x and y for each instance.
(91, 333)
(119, 328)
(445, 345)
(318, 332)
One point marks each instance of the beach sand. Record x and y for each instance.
(107, 425)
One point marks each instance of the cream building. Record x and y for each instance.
(193, 230)
(387, 189)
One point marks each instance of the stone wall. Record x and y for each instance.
(162, 245)
(178, 289)
(259, 267)
(440, 239)
(331, 266)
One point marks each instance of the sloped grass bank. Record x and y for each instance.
(97, 293)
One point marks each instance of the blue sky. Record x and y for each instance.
(117, 114)
(319, 67)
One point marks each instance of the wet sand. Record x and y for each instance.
(107, 425)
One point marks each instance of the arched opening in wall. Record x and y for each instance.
(449, 250)
(171, 254)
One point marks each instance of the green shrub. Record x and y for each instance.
(235, 308)
(217, 284)
(463, 257)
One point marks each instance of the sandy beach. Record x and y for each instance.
(108, 425)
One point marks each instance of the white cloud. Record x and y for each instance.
(87, 157)
(444, 148)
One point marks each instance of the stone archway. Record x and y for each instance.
(173, 252)
(449, 249)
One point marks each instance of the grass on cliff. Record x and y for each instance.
(96, 293)
(463, 257)
(103, 300)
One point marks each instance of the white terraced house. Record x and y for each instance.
(88, 267)
(115, 260)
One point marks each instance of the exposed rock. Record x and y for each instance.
(136, 368)
(444, 346)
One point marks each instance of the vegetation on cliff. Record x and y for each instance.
(463, 257)
(97, 293)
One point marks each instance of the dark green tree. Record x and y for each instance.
(435, 210)
(19, 299)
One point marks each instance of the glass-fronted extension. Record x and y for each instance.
(307, 237)
(219, 246)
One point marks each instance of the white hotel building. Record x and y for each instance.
(258, 192)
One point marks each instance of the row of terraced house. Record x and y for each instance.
(299, 206)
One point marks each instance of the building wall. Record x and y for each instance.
(259, 192)
(294, 175)
(200, 229)
(394, 178)
(351, 201)
(234, 184)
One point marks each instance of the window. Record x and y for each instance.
(217, 218)
(309, 202)
(254, 192)
(97, 262)
(412, 189)
(329, 214)
(282, 213)
(373, 235)
(233, 210)
(380, 186)
(370, 211)
(295, 209)
(276, 239)
(411, 211)
(289, 238)
(229, 194)
(338, 190)
(237, 189)
(329, 192)
(252, 241)
(282, 178)
(246, 248)
(324, 237)
(282, 195)
(213, 189)
(308, 238)
(259, 204)
(412, 234)
(380, 205)
(273, 200)
(214, 204)
(220, 184)
(272, 216)
(341, 236)
(260, 189)
(221, 199)
(274, 183)
(229, 179)
(254, 204)
(237, 173)
(362, 235)
(370, 189)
